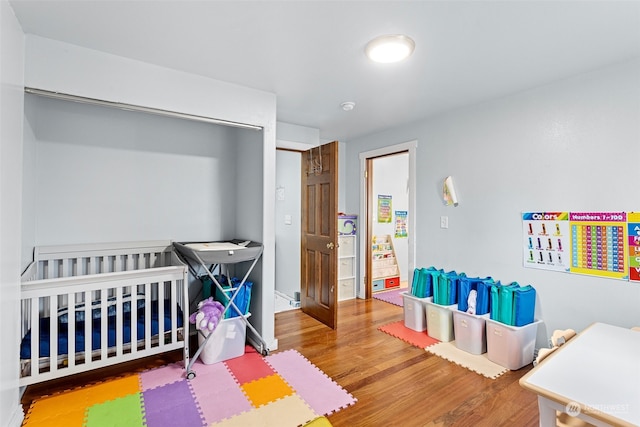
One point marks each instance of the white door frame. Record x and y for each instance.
(411, 148)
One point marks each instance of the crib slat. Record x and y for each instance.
(147, 316)
(92, 265)
(118, 265)
(35, 335)
(119, 313)
(49, 270)
(88, 325)
(161, 314)
(63, 268)
(174, 311)
(104, 337)
(53, 333)
(71, 328)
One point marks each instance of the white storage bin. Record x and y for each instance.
(440, 321)
(345, 269)
(414, 311)
(511, 346)
(228, 341)
(346, 289)
(470, 331)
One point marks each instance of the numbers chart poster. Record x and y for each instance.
(605, 244)
(546, 240)
(598, 241)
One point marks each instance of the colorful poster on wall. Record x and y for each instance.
(401, 224)
(633, 231)
(546, 240)
(598, 243)
(605, 244)
(384, 209)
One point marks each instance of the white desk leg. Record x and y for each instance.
(546, 412)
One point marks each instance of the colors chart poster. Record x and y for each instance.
(604, 244)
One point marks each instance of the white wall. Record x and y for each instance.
(104, 175)
(11, 110)
(566, 146)
(288, 180)
(391, 178)
(288, 235)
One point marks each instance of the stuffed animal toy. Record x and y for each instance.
(208, 314)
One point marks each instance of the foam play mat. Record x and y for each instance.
(415, 338)
(478, 363)
(392, 297)
(282, 389)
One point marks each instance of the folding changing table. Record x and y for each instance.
(209, 256)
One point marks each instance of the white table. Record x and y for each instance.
(595, 376)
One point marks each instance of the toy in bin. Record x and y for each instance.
(208, 315)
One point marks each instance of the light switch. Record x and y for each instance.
(287, 220)
(444, 222)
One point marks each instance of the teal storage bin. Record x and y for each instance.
(423, 279)
(446, 293)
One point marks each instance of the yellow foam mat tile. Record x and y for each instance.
(266, 390)
(286, 412)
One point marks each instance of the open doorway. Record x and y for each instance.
(287, 229)
(390, 175)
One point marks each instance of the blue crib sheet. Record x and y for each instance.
(96, 335)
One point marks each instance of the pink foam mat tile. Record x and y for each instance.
(218, 394)
(324, 395)
(164, 375)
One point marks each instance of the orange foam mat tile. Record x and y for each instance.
(266, 390)
(415, 338)
(111, 390)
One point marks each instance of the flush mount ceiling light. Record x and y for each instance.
(390, 48)
(348, 105)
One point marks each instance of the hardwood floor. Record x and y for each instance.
(395, 383)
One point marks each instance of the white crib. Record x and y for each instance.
(135, 295)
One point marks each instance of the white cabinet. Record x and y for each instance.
(347, 246)
(346, 267)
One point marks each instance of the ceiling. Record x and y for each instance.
(311, 53)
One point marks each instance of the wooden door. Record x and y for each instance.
(319, 259)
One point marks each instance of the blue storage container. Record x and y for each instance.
(466, 285)
(524, 305)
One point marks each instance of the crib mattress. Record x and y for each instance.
(96, 334)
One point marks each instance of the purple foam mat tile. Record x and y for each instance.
(164, 375)
(171, 405)
(324, 395)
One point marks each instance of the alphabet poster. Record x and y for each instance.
(605, 244)
(633, 229)
(384, 209)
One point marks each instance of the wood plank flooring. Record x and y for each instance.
(395, 383)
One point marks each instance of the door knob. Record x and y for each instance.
(330, 245)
